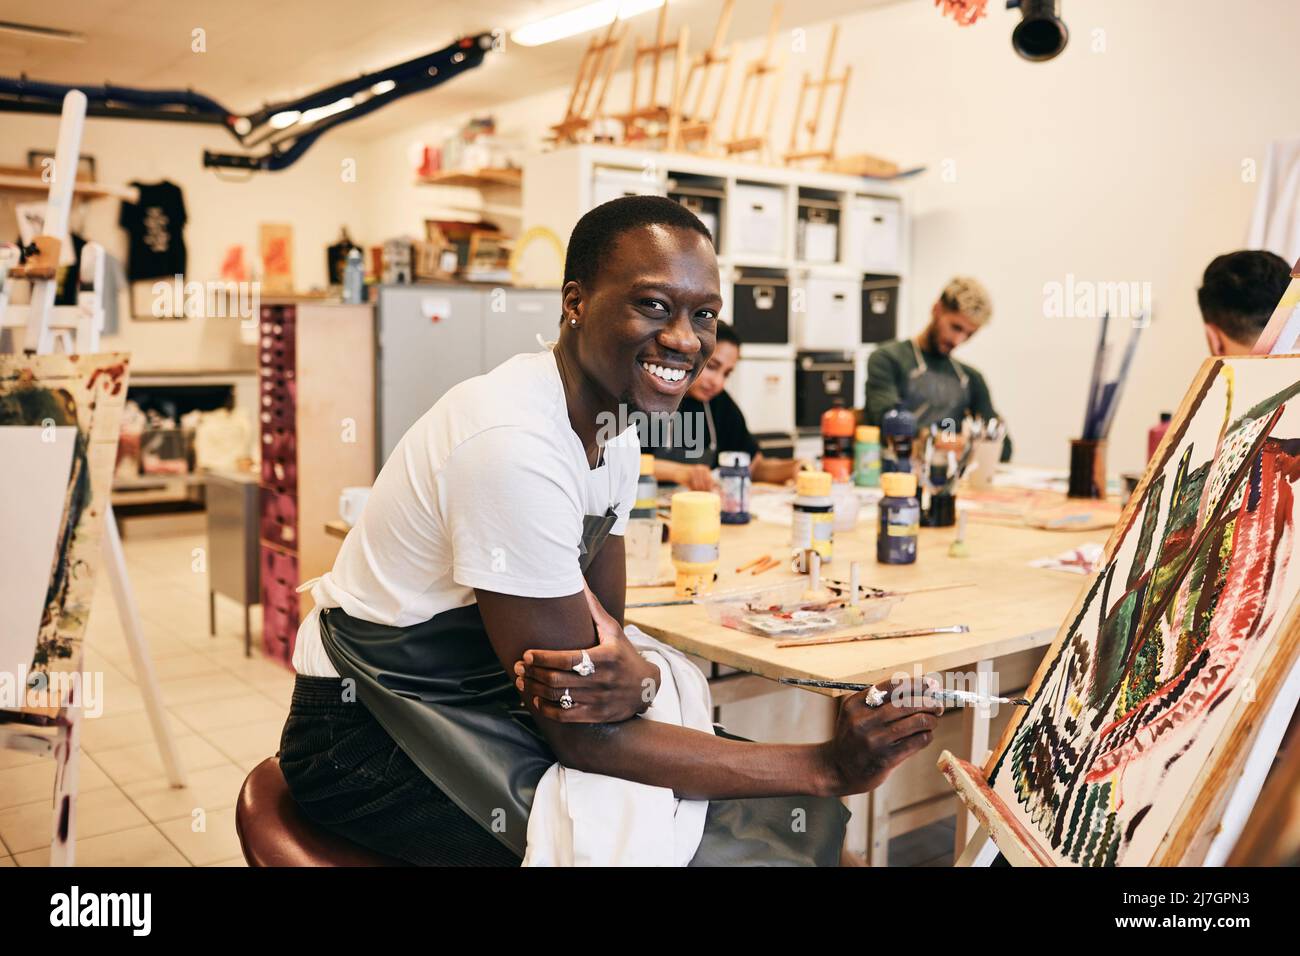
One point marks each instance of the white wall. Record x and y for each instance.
(1122, 165)
(311, 195)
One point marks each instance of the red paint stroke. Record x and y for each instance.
(114, 372)
(1260, 557)
(964, 12)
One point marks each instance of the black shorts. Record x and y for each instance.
(350, 777)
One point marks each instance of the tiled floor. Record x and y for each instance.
(226, 712)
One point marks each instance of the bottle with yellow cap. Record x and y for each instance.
(644, 538)
(694, 531)
(900, 518)
(812, 527)
(866, 456)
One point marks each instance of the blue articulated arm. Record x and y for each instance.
(350, 99)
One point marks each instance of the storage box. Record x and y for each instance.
(758, 220)
(820, 378)
(827, 313)
(707, 209)
(818, 233)
(879, 308)
(760, 306)
(608, 182)
(877, 234)
(764, 389)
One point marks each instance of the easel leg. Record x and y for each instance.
(878, 813)
(857, 835)
(975, 728)
(129, 614)
(67, 764)
(981, 851)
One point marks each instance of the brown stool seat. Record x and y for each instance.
(273, 831)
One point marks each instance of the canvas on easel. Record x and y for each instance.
(1282, 333)
(1175, 673)
(57, 398)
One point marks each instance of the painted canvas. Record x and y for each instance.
(1145, 699)
(50, 394)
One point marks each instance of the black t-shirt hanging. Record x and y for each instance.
(155, 226)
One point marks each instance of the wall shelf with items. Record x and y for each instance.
(785, 238)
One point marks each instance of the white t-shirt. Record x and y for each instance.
(488, 490)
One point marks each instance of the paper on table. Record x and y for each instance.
(33, 488)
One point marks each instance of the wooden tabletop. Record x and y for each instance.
(1012, 607)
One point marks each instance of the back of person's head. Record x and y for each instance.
(597, 231)
(968, 297)
(1240, 290)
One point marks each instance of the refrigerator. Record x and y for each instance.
(431, 337)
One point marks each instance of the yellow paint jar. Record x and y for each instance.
(812, 525)
(694, 531)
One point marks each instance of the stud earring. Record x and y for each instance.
(573, 322)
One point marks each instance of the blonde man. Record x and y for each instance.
(921, 375)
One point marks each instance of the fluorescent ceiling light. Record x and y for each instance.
(41, 33)
(320, 112)
(590, 16)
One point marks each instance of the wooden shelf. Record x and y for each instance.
(474, 178)
(16, 181)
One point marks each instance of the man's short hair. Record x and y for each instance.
(727, 334)
(596, 232)
(1240, 290)
(969, 297)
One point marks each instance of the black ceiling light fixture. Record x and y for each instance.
(1041, 34)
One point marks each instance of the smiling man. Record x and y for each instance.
(921, 373)
(453, 655)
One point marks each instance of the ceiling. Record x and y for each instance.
(267, 51)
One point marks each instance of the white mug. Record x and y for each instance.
(351, 501)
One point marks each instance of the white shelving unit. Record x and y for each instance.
(558, 187)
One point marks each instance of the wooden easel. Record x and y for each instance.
(697, 128)
(653, 120)
(761, 80)
(77, 328)
(594, 71)
(795, 152)
(1212, 815)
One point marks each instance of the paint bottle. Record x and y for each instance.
(354, 278)
(812, 526)
(897, 433)
(1156, 434)
(837, 441)
(694, 532)
(866, 456)
(647, 490)
(643, 540)
(734, 486)
(900, 516)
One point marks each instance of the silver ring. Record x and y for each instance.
(875, 697)
(584, 667)
(566, 701)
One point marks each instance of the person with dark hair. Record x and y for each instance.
(1237, 296)
(708, 422)
(467, 649)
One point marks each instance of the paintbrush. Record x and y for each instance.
(851, 638)
(956, 696)
(759, 560)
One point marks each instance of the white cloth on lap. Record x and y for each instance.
(590, 819)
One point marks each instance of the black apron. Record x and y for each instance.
(439, 691)
(936, 398)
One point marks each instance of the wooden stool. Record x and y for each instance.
(273, 831)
